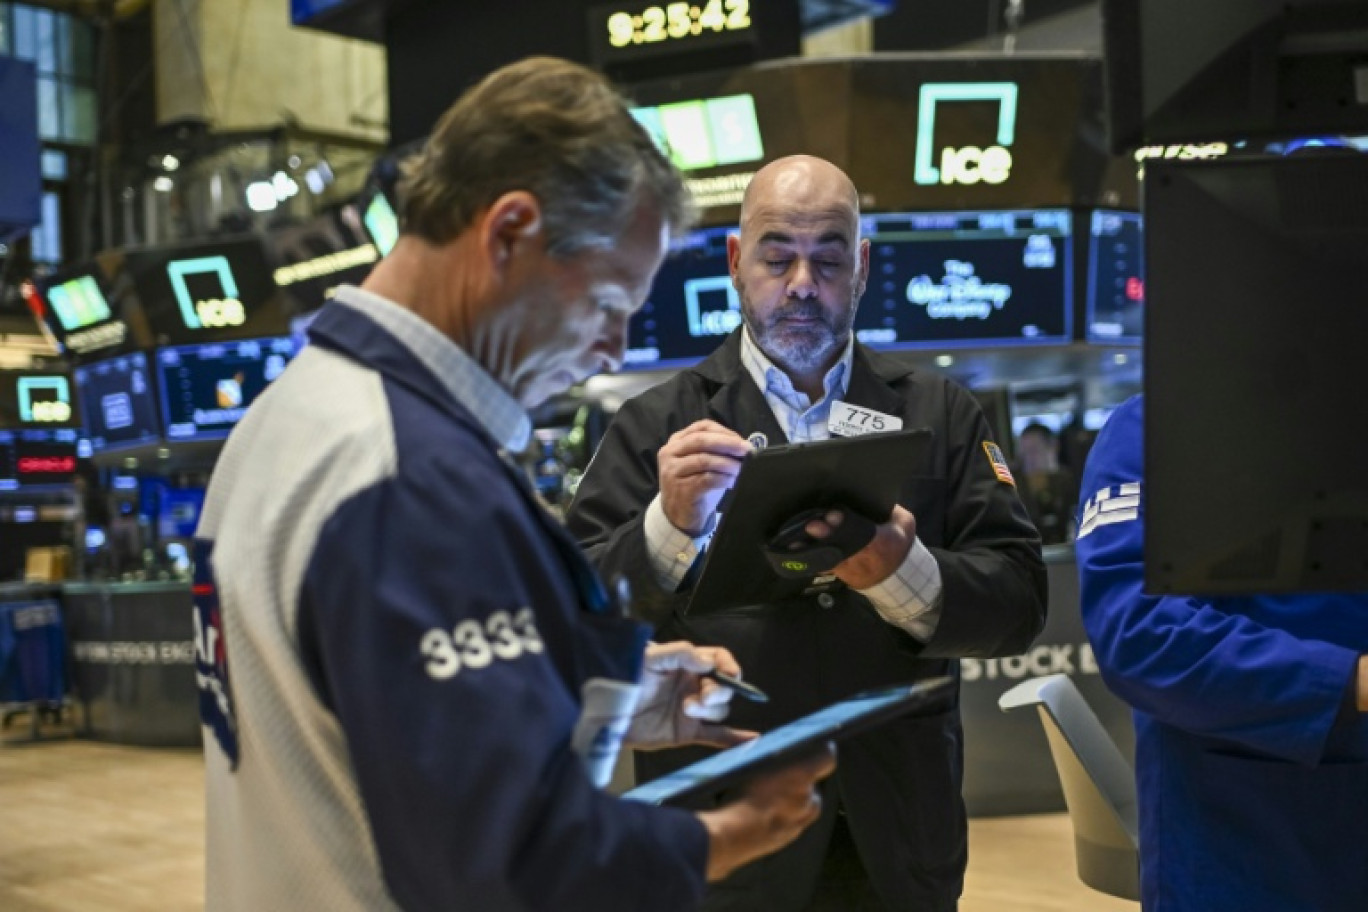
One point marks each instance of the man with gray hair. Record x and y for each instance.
(412, 682)
(955, 570)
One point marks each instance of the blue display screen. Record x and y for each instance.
(117, 402)
(691, 308)
(206, 389)
(1116, 278)
(967, 279)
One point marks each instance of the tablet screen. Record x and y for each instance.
(836, 721)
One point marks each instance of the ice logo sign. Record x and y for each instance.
(44, 400)
(206, 312)
(714, 307)
(959, 295)
(967, 164)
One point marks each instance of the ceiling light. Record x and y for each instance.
(261, 196)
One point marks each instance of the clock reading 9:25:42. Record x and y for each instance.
(672, 22)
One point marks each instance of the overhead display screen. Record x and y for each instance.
(967, 279)
(382, 223)
(37, 400)
(75, 305)
(78, 302)
(705, 132)
(37, 457)
(691, 307)
(206, 389)
(117, 402)
(1116, 278)
(207, 292)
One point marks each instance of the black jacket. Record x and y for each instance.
(899, 785)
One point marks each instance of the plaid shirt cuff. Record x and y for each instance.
(672, 552)
(910, 598)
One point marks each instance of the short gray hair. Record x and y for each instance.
(557, 130)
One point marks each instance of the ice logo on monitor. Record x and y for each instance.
(1039, 252)
(713, 306)
(207, 313)
(228, 392)
(969, 164)
(118, 410)
(959, 295)
(44, 400)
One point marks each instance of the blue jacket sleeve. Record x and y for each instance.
(1201, 665)
(444, 631)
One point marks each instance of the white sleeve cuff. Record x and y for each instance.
(910, 598)
(672, 552)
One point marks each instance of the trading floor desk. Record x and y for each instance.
(133, 661)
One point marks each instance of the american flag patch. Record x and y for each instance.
(1119, 503)
(998, 462)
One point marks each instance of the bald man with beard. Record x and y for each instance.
(954, 571)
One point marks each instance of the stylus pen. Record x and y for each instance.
(749, 691)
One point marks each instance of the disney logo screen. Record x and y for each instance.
(962, 279)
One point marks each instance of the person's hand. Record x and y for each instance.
(876, 561)
(679, 707)
(774, 808)
(696, 466)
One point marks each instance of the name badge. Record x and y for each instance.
(851, 421)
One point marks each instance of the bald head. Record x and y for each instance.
(799, 266)
(800, 187)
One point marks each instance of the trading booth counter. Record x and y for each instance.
(1007, 764)
(133, 661)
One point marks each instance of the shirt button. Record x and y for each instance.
(826, 600)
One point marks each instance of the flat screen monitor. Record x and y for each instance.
(37, 458)
(78, 302)
(1179, 72)
(691, 308)
(37, 400)
(209, 291)
(206, 389)
(1253, 374)
(942, 280)
(1116, 278)
(381, 221)
(118, 404)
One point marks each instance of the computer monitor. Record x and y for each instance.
(1116, 278)
(691, 308)
(38, 400)
(118, 404)
(208, 291)
(37, 458)
(940, 280)
(206, 389)
(380, 219)
(1179, 71)
(1254, 337)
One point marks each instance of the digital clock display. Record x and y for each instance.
(676, 22)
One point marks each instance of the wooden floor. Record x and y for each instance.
(120, 829)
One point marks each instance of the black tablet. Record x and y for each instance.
(864, 474)
(788, 742)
